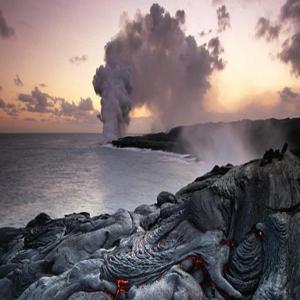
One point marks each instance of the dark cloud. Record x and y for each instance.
(1, 88)
(38, 101)
(223, 18)
(288, 104)
(71, 109)
(86, 104)
(30, 120)
(82, 112)
(180, 16)
(5, 30)
(216, 49)
(43, 103)
(264, 29)
(217, 2)
(18, 81)
(152, 61)
(288, 95)
(291, 52)
(54, 108)
(78, 59)
(43, 85)
(288, 22)
(9, 108)
(290, 10)
(204, 33)
(290, 16)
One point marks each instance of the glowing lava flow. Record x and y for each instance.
(122, 287)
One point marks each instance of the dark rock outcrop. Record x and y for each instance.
(257, 135)
(233, 233)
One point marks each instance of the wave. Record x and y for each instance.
(163, 154)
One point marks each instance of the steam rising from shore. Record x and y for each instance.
(152, 61)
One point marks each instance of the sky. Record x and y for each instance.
(50, 50)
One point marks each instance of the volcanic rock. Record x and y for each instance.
(233, 233)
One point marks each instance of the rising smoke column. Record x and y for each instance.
(166, 69)
(113, 85)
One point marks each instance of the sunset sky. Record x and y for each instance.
(50, 49)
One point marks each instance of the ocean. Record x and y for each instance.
(64, 173)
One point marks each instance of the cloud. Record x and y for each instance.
(1, 88)
(223, 18)
(5, 31)
(288, 22)
(216, 50)
(152, 62)
(264, 29)
(30, 120)
(86, 104)
(287, 103)
(53, 108)
(9, 108)
(38, 101)
(43, 85)
(291, 52)
(290, 10)
(290, 16)
(18, 81)
(84, 111)
(57, 107)
(78, 59)
(217, 2)
(203, 32)
(288, 95)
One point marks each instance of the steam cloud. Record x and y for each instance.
(217, 2)
(264, 28)
(223, 18)
(288, 19)
(152, 61)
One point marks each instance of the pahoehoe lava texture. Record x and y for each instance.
(231, 234)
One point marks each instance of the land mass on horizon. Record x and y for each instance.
(198, 139)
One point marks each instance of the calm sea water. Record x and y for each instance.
(64, 173)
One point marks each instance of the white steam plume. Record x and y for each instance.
(166, 69)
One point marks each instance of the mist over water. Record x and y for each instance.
(64, 173)
(223, 144)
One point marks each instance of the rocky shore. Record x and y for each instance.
(255, 134)
(233, 233)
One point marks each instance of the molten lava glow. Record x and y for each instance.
(141, 112)
(121, 287)
(197, 261)
(260, 233)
